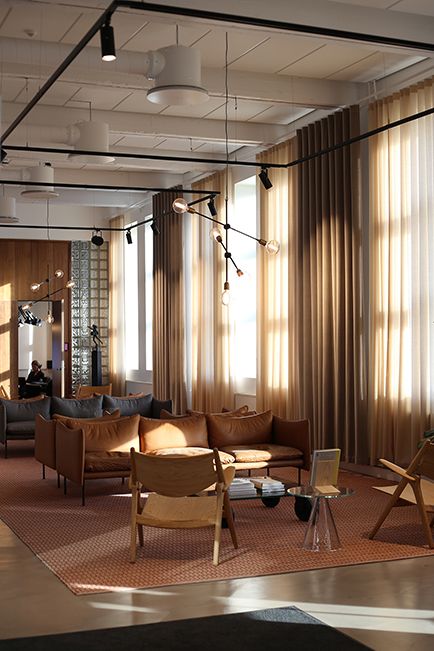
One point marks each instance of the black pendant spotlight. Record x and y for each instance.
(265, 180)
(97, 238)
(108, 50)
(211, 207)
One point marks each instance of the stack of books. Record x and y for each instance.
(242, 487)
(268, 486)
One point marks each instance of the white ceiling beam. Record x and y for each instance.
(19, 57)
(124, 123)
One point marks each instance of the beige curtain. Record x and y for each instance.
(332, 379)
(278, 385)
(211, 382)
(168, 304)
(402, 275)
(117, 308)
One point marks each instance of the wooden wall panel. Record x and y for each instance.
(21, 263)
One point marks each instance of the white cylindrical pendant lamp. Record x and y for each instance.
(93, 136)
(41, 174)
(179, 82)
(8, 210)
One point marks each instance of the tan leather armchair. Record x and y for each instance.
(95, 450)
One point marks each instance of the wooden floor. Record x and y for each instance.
(384, 605)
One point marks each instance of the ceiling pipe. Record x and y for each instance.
(213, 17)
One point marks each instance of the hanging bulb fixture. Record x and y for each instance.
(216, 233)
(49, 318)
(226, 297)
(70, 283)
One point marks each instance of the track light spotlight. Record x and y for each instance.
(3, 156)
(108, 50)
(154, 227)
(129, 236)
(97, 239)
(211, 207)
(263, 175)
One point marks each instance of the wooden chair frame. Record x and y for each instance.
(87, 391)
(421, 493)
(169, 478)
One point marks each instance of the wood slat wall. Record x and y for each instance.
(21, 263)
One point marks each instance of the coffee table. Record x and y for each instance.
(302, 507)
(321, 533)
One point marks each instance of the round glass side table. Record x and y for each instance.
(321, 533)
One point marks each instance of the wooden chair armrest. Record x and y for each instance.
(229, 474)
(397, 469)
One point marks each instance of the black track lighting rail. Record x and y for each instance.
(111, 188)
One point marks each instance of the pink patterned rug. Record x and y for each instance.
(88, 547)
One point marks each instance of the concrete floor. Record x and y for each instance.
(384, 605)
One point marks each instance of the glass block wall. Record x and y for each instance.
(89, 305)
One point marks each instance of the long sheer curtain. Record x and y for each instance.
(117, 308)
(211, 381)
(402, 275)
(332, 362)
(168, 337)
(278, 386)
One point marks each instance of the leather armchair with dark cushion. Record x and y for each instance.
(17, 418)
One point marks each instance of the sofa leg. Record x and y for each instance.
(299, 476)
(64, 485)
(268, 471)
(58, 480)
(6, 448)
(82, 494)
(123, 480)
(43, 471)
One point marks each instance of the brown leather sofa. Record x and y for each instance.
(256, 441)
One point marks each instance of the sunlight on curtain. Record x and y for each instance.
(402, 275)
(117, 308)
(277, 374)
(211, 381)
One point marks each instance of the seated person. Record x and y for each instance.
(36, 374)
(36, 377)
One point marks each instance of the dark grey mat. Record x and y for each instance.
(274, 629)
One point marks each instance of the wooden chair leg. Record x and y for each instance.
(227, 512)
(423, 515)
(217, 535)
(389, 506)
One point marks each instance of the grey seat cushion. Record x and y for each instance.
(129, 406)
(21, 427)
(17, 411)
(77, 408)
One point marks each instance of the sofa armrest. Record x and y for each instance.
(70, 453)
(3, 423)
(45, 441)
(293, 433)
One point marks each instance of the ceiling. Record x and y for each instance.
(277, 81)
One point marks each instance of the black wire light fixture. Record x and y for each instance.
(97, 237)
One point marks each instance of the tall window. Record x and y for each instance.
(149, 237)
(243, 302)
(131, 289)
